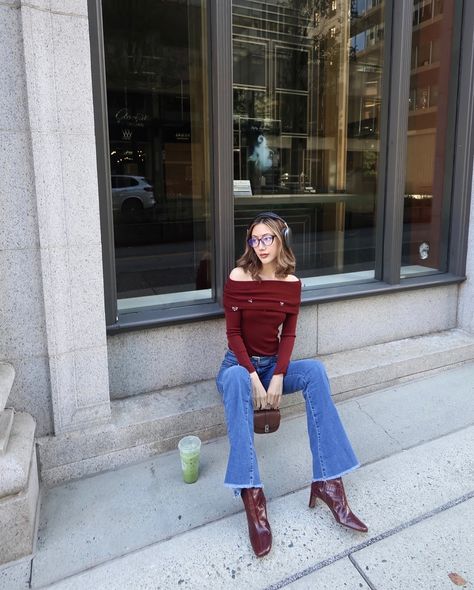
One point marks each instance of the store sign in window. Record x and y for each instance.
(307, 103)
(157, 100)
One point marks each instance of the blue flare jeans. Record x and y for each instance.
(331, 450)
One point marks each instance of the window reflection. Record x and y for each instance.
(155, 55)
(428, 120)
(306, 127)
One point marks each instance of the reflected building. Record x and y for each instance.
(309, 74)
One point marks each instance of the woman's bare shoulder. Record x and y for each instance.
(239, 274)
(292, 279)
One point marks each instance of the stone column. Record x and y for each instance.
(466, 291)
(60, 111)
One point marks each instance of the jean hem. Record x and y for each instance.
(237, 488)
(327, 478)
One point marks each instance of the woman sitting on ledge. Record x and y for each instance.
(261, 295)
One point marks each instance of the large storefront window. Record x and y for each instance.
(307, 102)
(425, 203)
(156, 69)
(319, 110)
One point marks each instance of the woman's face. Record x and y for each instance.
(266, 254)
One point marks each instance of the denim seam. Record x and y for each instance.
(316, 426)
(237, 489)
(247, 402)
(345, 472)
(252, 450)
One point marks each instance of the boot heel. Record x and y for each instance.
(332, 493)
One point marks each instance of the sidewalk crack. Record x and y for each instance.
(377, 424)
(361, 572)
(355, 549)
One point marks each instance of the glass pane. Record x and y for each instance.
(307, 99)
(157, 99)
(423, 251)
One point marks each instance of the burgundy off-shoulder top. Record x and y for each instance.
(254, 312)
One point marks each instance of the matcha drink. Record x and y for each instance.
(189, 450)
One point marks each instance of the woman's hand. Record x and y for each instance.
(259, 394)
(275, 390)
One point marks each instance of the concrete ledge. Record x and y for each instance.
(7, 376)
(367, 369)
(18, 518)
(16, 576)
(152, 423)
(15, 463)
(6, 423)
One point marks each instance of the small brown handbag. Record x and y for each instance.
(265, 421)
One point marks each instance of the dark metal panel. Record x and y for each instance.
(103, 161)
(382, 163)
(400, 64)
(149, 318)
(144, 320)
(356, 291)
(222, 145)
(450, 137)
(464, 147)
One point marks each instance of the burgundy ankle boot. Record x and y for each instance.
(259, 528)
(332, 493)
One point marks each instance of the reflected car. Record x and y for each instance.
(131, 193)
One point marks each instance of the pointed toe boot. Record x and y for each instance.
(259, 529)
(332, 493)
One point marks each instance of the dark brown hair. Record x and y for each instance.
(285, 260)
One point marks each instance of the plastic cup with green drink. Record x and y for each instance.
(189, 451)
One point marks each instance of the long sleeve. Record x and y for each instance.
(234, 337)
(287, 342)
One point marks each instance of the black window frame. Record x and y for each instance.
(391, 167)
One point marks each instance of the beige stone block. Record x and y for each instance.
(15, 464)
(80, 189)
(306, 345)
(44, 5)
(31, 391)
(51, 206)
(73, 79)
(73, 7)
(62, 7)
(13, 113)
(40, 67)
(18, 518)
(466, 290)
(80, 391)
(164, 357)
(7, 375)
(22, 322)
(6, 423)
(74, 298)
(345, 325)
(18, 227)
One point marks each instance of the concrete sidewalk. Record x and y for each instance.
(142, 527)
